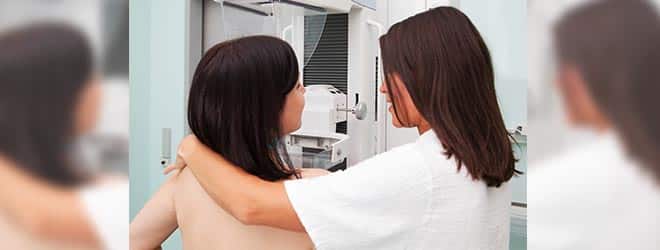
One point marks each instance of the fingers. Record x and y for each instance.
(169, 169)
(178, 164)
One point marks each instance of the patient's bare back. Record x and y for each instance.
(204, 225)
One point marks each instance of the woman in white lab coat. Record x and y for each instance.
(447, 190)
(603, 193)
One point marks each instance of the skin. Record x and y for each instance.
(181, 201)
(256, 202)
(57, 213)
(406, 104)
(581, 108)
(292, 111)
(251, 200)
(87, 110)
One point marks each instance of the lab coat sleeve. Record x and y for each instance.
(368, 206)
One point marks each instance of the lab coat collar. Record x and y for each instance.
(429, 138)
(612, 142)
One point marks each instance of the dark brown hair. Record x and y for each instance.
(446, 67)
(615, 45)
(43, 69)
(236, 100)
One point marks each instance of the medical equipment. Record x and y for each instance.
(344, 117)
(337, 46)
(325, 107)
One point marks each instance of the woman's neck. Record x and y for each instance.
(423, 127)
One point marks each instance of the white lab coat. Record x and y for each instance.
(593, 198)
(411, 197)
(107, 208)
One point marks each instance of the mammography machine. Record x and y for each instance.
(342, 117)
(345, 119)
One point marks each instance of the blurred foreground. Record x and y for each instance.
(594, 170)
(64, 124)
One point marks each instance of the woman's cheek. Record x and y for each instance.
(301, 107)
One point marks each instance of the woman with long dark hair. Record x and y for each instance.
(245, 95)
(447, 190)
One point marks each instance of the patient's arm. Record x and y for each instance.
(248, 198)
(44, 210)
(157, 219)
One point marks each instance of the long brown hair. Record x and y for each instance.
(615, 45)
(446, 67)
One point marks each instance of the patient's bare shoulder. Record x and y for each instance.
(184, 174)
(185, 179)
